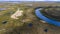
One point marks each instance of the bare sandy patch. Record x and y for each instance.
(17, 14)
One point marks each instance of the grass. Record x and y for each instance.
(12, 23)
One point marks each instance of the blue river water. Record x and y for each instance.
(2, 8)
(50, 21)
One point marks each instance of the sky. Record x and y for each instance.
(29, 0)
